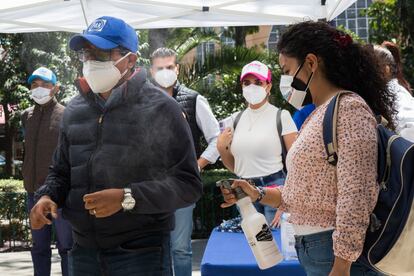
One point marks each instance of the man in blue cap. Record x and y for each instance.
(125, 161)
(41, 124)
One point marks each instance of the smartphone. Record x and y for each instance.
(226, 123)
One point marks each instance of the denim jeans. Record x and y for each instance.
(41, 251)
(267, 211)
(181, 241)
(315, 253)
(145, 256)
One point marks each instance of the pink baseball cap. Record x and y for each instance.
(257, 69)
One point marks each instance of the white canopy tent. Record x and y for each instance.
(17, 16)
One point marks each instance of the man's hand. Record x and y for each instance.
(341, 267)
(202, 163)
(104, 203)
(39, 212)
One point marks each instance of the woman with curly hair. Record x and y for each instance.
(330, 205)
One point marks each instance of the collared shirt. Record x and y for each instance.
(208, 124)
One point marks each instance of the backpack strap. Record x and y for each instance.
(279, 132)
(329, 129)
(237, 119)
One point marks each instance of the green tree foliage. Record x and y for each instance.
(218, 78)
(182, 40)
(384, 21)
(239, 33)
(24, 53)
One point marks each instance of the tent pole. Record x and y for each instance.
(84, 13)
(328, 17)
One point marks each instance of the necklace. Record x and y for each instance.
(253, 121)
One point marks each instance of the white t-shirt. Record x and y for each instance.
(256, 145)
(405, 108)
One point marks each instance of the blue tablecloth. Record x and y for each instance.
(229, 254)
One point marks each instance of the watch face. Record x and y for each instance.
(128, 203)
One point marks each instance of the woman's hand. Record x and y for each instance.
(224, 139)
(230, 197)
(276, 220)
(341, 267)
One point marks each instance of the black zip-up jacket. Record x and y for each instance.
(141, 140)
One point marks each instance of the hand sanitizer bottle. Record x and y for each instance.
(256, 230)
(288, 238)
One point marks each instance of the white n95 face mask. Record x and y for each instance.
(102, 76)
(285, 86)
(165, 78)
(295, 91)
(254, 94)
(40, 95)
(293, 96)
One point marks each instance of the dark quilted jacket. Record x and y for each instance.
(140, 139)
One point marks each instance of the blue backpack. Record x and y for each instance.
(389, 242)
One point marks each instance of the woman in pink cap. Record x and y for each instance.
(252, 146)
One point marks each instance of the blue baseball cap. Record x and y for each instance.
(44, 74)
(107, 33)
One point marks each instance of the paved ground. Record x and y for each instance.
(20, 263)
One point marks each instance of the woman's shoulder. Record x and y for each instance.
(353, 102)
(353, 107)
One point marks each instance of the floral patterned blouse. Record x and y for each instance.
(343, 197)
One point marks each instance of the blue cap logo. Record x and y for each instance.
(97, 25)
(107, 33)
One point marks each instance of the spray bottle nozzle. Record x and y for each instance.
(226, 184)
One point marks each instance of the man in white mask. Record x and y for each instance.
(203, 124)
(124, 162)
(41, 127)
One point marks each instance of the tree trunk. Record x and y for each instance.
(240, 36)
(157, 39)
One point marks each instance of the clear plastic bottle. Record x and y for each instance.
(258, 233)
(288, 238)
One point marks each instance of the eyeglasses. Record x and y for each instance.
(99, 55)
(256, 82)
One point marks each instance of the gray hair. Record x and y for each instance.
(386, 58)
(164, 52)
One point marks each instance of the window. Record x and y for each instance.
(363, 33)
(204, 50)
(225, 40)
(274, 37)
(355, 19)
(361, 4)
(351, 13)
(351, 24)
(362, 23)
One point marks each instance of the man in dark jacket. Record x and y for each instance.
(41, 126)
(203, 124)
(125, 161)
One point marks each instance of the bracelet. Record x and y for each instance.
(262, 193)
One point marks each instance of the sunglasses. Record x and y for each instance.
(99, 55)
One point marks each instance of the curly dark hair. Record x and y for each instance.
(345, 63)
